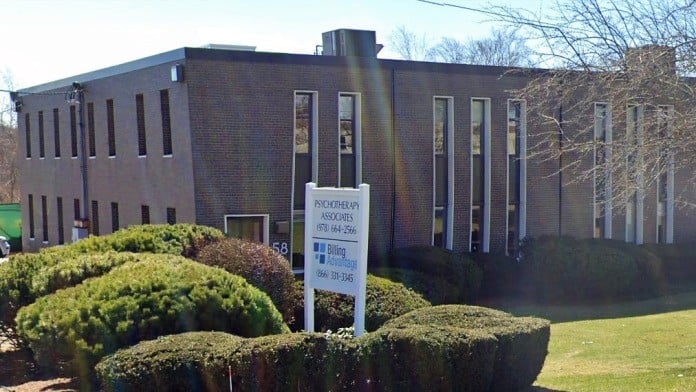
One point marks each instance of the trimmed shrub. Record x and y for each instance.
(444, 348)
(180, 239)
(457, 269)
(384, 300)
(258, 264)
(437, 290)
(140, 301)
(501, 274)
(563, 269)
(170, 363)
(522, 342)
(678, 263)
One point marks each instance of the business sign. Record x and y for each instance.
(336, 233)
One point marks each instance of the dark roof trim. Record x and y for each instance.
(158, 59)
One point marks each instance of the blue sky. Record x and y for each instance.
(45, 40)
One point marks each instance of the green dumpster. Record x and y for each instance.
(11, 225)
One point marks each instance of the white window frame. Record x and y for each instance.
(449, 228)
(608, 137)
(486, 151)
(522, 207)
(315, 160)
(266, 219)
(357, 137)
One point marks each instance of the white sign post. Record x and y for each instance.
(336, 233)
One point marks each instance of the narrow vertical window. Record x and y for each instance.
(480, 175)
(114, 217)
(56, 133)
(634, 202)
(305, 168)
(602, 172)
(145, 214)
(441, 172)
(515, 128)
(59, 214)
(166, 123)
(76, 209)
(44, 219)
(171, 215)
(110, 127)
(92, 133)
(42, 146)
(95, 218)
(73, 131)
(349, 140)
(31, 217)
(140, 117)
(665, 182)
(27, 134)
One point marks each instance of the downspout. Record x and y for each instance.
(83, 150)
(393, 163)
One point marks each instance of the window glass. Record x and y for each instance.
(246, 227)
(440, 125)
(477, 124)
(346, 109)
(303, 120)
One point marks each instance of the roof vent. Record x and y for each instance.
(230, 47)
(348, 42)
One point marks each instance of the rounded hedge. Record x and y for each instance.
(259, 264)
(521, 346)
(384, 300)
(460, 276)
(452, 348)
(140, 301)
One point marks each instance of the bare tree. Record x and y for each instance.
(409, 45)
(9, 192)
(504, 47)
(630, 57)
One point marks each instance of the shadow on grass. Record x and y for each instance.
(541, 389)
(17, 367)
(563, 313)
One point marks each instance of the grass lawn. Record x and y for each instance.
(636, 346)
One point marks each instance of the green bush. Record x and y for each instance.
(140, 301)
(20, 276)
(258, 264)
(522, 342)
(444, 348)
(384, 300)
(179, 239)
(457, 269)
(501, 275)
(437, 290)
(678, 263)
(563, 269)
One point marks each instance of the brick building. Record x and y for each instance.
(227, 138)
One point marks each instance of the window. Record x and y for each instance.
(44, 219)
(665, 182)
(145, 215)
(76, 209)
(349, 140)
(73, 131)
(442, 170)
(95, 217)
(634, 202)
(602, 171)
(248, 227)
(27, 134)
(166, 123)
(91, 131)
(59, 213)
(171, 215)
(114, 217)
(42, 149)
(480, 175)
(110, 127)
(31, 217)
(516, 175)
(305, 166)
(56, 134)
(140, 117)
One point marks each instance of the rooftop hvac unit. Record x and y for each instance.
(347, 42)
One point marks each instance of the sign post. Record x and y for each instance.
(336, 235)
